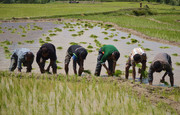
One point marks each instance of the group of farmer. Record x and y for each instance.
(25, 57)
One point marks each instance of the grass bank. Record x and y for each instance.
(48, 94)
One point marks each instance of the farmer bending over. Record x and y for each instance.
(78, 54)
(109, 53)
(47, 51)
(137, 56)
(162, 61)
(21, 56)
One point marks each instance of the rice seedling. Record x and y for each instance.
(23, 35)
(57, 30)
(44, 35)
(126, 56)
(87, 71)
(113, 29)
(106, 38)
(83, 42)
(115, 40)
(98, 44)
(73, 43)
(20, 43)
(59, 48)
(38, 28)
(50, 31)
(128, 43)
(80, 32)
(58, 61)
(13, 31)
(123, 37)
(175, 54)
(164, 47)
(105, 32)
(52, 34)
(48, 39)
(147, 49)
(118, 73)
(93, 36)
(89, 51)
(134, 41)
(41, 41)
(150, 62)
(7, 42)
(58, 67)
(71, 30)
(178, 63)
(74, 35)
(1, 31)
(29, 41)
(129, 36)
(90, 46)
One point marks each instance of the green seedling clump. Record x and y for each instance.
(147, 49)
(134, 41)
(105, 32)
(83, 42)
(73, 43)
(115, 40)
(80, 32)
(178, 63)
(29, 41)
(113, 29)
(58, 67)
(106, 38)
(74, 35)
(123, 37)
(90, 46)
(93, 36)
(89, 50)
(118, 73)
(71, 30)
(87, 71)
(164, 47)
(128, 43)
(60, 48)
(52, 34)
(23, 35)
(57, 30)
(7, 42)
(48, 39)
(175, 54)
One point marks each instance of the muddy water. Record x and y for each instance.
(65, 37)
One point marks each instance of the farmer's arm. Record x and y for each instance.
(81, 68)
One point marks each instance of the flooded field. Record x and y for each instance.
(62, 34)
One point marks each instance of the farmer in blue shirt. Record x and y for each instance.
(78, 54)
(21, 56)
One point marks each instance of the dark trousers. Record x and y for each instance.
(99, 65)
(42, 64)
(13, 64)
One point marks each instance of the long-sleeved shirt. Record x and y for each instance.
(165, 60)
(107, 51)
(52, 52)
(20, 53)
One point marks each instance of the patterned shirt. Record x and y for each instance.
(20, 53)
(137, 51)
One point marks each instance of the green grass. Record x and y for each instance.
(24, 93)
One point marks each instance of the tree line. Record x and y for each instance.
(170, 2)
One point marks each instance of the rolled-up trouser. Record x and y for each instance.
(98, 65)
(13, 63)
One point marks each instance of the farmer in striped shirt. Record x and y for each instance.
(137, 56)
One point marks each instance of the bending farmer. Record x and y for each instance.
(78, 54)
(21, 56)
(137, 56)
(47, 51)
(109, 53)
(162, 61)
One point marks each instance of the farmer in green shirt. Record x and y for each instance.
(109, 53)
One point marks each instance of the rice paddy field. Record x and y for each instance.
(91, 26)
